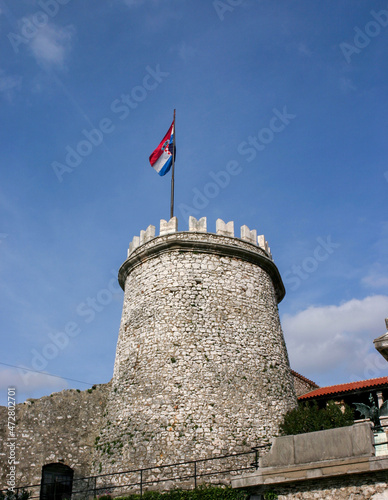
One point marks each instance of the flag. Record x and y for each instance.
(161, 158)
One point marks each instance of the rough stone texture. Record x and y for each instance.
(201, 365)
(357, 487)
(302, 384)
(57, 428)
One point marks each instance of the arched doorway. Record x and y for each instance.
(57, 482)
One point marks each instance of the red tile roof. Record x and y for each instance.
(341, 388)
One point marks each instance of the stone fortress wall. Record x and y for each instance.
(201, 365)
(60, 428)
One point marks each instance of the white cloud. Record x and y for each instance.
(52, 44)
(377, 278)
(320, 339)
(29, 384)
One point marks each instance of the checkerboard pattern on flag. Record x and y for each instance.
(161, 158)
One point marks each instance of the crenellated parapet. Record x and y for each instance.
(200, 226)
(201, 365)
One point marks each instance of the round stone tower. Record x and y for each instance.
(201, 365)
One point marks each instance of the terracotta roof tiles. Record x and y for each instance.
(341, 388)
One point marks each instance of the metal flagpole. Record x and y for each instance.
(173, 172)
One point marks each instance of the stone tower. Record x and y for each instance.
(201, 365)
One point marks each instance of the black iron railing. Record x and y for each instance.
(185, 475)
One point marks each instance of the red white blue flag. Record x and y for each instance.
(161, 158)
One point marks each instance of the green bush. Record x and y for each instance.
(308, 417)
(270, 495)
(201, 493)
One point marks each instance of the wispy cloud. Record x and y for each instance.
(52, 44)
(323, 338)
(376, 274)
(377, 277)
(29, 384)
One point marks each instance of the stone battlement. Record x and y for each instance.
(199, 226)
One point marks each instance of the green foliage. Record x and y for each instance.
(270, 495)
(201, 493)
(309, 418)
(10, 495)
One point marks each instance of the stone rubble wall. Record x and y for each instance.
(373, 486)
(302, 384)
(57, 428)
(201, 365)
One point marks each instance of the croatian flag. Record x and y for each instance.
(161, 158)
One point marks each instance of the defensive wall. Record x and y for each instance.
(201, 365)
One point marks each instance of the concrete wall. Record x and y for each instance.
(351, 441)
(336, 464)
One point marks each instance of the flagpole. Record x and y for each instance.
(173, 174)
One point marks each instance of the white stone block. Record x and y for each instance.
(261, 241)
(199, 226)
(134, 244)
(149, 233)
(248, 235)
(168, 227)
(225, 229)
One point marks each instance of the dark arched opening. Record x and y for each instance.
(57, 482)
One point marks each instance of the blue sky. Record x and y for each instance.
(290, 95)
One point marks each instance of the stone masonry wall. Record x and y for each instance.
(302, 384)
(201, 365)
(371, 486)
(57, 428)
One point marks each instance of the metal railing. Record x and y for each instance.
(184, 475)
